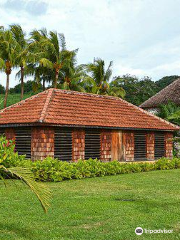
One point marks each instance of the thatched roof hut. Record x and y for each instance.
(169, 93)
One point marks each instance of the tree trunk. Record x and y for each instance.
(22, 82)
(44, 86)
(56, 78)
(7, 90)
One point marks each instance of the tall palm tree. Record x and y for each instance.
(115, 90)
(41, 75)
(22, 52)
(8, 50)
(54, 53)
(72, 79)
(72, 76)
(99, 78)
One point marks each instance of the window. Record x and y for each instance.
(92, 144)
(23, 141)
(63, 144)
(159, 145)
(140, 148)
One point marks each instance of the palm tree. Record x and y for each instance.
(22, 52)
(72, 76)
(8, 50)
(41, 75)
(115, 90)
(100, 77)
(72, 79)
(53, 51)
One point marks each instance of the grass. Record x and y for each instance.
(97, 208)
(13, 98)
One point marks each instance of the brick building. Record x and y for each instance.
(71, 125)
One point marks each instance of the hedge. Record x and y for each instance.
(53, 170)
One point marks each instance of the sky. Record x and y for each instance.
(141, 37)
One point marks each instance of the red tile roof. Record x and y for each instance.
(62, 107)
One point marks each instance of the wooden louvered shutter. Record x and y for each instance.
(140, 146)
(92, 144)
(1, 131)
(23, 142)
(63, 144)
(159, 145)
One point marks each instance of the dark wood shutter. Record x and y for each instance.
(140, 148)
(92, 144)
(23, 142)
(63, 144)
(159, 145)
(2, 131)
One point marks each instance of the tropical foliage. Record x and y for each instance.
(9, 168)
(8, 49)
(99, 79)
(53, 170)
(170, 112)
(44, 56)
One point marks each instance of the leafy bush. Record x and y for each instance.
(8, 156)
(54, 170)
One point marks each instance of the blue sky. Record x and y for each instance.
(141, 37)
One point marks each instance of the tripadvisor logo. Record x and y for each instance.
(139, 231)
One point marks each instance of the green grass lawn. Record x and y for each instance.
(13, 98)
(96, 208)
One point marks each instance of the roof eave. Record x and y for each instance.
(42, 124)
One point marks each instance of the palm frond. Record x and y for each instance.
(46, 63)
(25, 175)
(62, 41)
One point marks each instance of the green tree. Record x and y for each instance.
(175, 117)
(137, 90)
(170, 112)
(165, 81)
(54, 54)
(2, 89)
(8, 51)
(99, 78)
(23, 55)
(72, 76)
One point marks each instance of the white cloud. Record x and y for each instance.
(141, 37)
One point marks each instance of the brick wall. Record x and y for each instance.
(106, 138)
(168, 145)
(150, 145)
(78, 145)
(10, 133)
(128, 140)
(42, 143)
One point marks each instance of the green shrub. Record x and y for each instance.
(8, 156)
(165, 164)
(54, 170)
